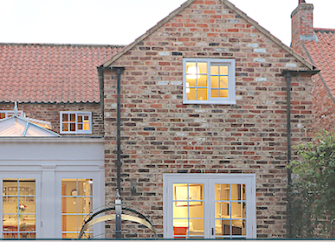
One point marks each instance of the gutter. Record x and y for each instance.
(288, 74)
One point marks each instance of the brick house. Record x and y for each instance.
(43, 178)
(204, 124)
(203, 142)
(316, 45)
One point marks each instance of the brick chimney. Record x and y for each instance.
(302, 24)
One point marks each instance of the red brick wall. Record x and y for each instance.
(51, 113)
(161, 135)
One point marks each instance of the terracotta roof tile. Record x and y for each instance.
(46, 73)
(322, 54)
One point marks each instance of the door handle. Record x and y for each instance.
(213, 231)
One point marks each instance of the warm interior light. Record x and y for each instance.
(188, 87)
(193, 72)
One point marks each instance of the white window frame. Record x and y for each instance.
(7, 112)
(231, 81)
(77, 113)
(35, 176)
(209, 180)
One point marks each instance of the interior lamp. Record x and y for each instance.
(193, 72)
(188, 87)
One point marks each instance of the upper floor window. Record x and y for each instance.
(9, 113)
(75, 122)
(209, 81)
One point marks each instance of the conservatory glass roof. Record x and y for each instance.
(23, 127)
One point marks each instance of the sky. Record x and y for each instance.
(120, 22)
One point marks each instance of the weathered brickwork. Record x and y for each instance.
(51, 113)
(161, 135)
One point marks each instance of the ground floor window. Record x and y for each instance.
(77, 204)
(199, 206)
(18, 208)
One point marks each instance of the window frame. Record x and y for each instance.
(77, 113)
(6, 112)
(231, 81)
(209, 217)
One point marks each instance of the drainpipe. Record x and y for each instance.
(289, 170)
(119, 71)
(288, 74)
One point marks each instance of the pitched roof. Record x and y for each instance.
(230, 5)
(51, 73)
(321, 52)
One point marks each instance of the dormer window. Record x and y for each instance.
(75, 122)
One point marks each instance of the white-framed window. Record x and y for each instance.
(20, 206)
(209, 81)
(9, 113)
(209, 206)
(75, 122)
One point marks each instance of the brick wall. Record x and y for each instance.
(161, 135)
(51, 113)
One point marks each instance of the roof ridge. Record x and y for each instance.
(64, 45)
(323, 30)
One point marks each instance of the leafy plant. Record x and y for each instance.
(313, 192)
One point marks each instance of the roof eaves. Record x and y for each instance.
(149, 32)
(268, 34)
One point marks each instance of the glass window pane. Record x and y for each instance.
(27, 235)
(9, 223)
(65, 117)
(223, 93)
(9, 235)
(68, 185)
(223, 81)
(27, 205)
(80, 126)
(180, 192)
(191, 82)
(214, 70)
(27, 187)
(70, 223)
(84, 205)
(238, 227)
(192, 65)
(27, 223)
(72, 127)
(214, 82)
(86, 118)
(65, 127)
(80, 119)
(196, 191)
(192, 95)
(222, 210)
(238, 209)
(85, 187)
(10, 186)
(69, 204)
(86, 125)
(222, 191)
(9, 204)
(202, 94)
(214, 93)
(180, 210)
(196, 227)
(72, 117)
(196, 209)
(202, 66)
(202, 81)
(236, 191)
(2, 115)
(223, 70)
(222, 227)
(69, 236)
